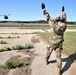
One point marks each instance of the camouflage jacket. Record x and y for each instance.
(58, 27)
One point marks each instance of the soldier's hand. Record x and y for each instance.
(62, 8)
(43, 6)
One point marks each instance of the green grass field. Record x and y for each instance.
(69, 45)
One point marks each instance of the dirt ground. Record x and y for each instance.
(21, 55)
(35, 56)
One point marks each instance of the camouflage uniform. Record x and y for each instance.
(58, 27)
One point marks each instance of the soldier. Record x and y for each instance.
(58, 27)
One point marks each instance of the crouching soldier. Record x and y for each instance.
(58, 27)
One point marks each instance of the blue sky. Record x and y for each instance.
(30, 10)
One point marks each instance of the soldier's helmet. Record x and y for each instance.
(58, 17)
(61, 17)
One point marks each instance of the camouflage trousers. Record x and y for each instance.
(58, 50)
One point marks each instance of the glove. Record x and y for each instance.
(62, 8)
(43, 6)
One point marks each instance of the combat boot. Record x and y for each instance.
(58, 71)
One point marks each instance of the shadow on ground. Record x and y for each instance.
(68, 62)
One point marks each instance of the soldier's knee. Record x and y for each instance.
(59, 63)
(58, 53)
(58, 56)
(49, 51)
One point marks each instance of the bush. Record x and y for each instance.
(1, 50)
(11, 65)
(8, 65)
(15, 63)
(8, 37)
(17, 47)
(28, 46)
(2, 42)
(3, 66)
(7, 49)
(18, 37)
(0, 37)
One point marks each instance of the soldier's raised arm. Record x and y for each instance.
(64, 16)
(46, 14)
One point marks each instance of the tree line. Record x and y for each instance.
(39, 21)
